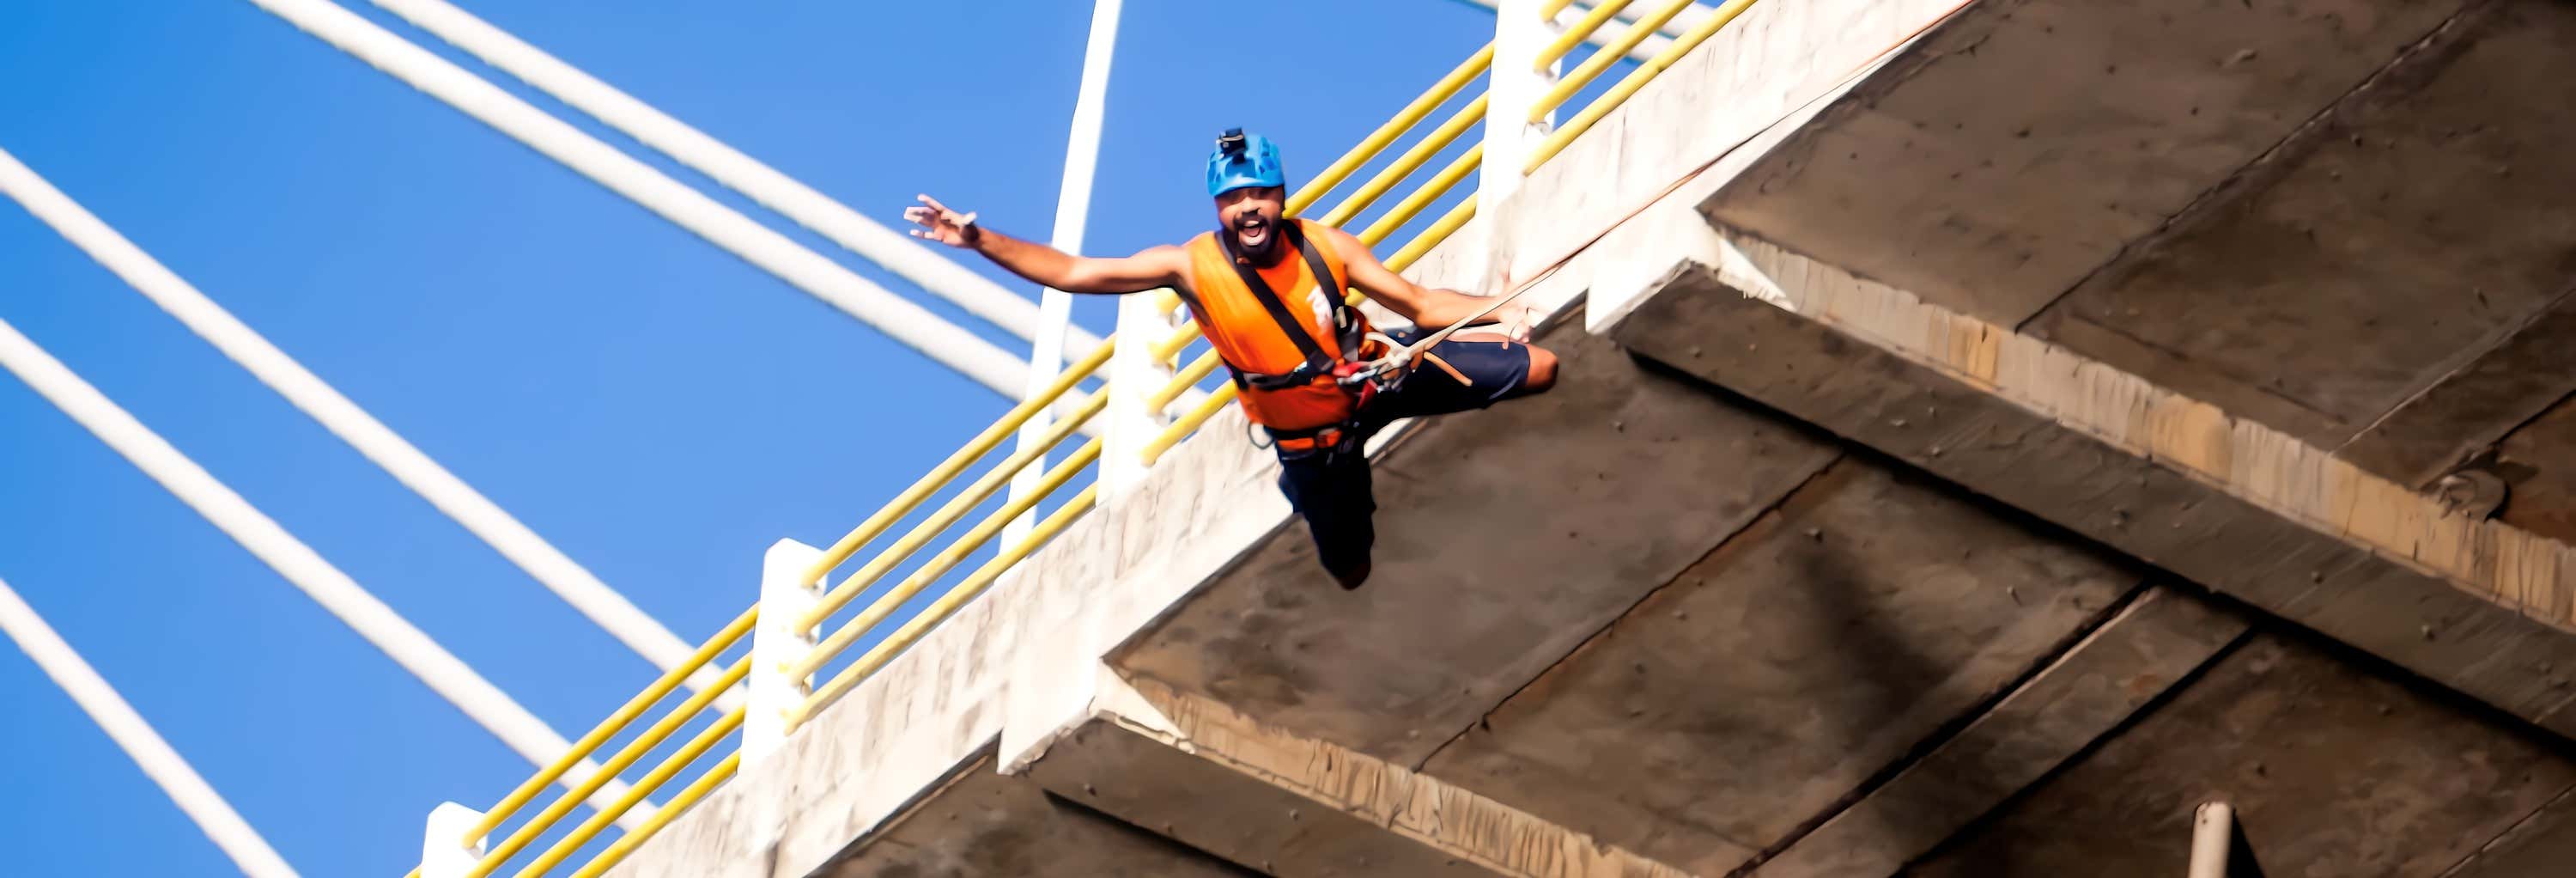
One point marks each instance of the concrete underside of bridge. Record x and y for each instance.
(1968, 458)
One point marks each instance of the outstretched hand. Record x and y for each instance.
(941, 224)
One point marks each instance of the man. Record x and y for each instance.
(1291, 342)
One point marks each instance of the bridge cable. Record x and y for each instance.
(188, 790)
(380, 444)
(899, 318)
(387, 630)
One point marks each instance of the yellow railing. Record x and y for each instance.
(840, 596)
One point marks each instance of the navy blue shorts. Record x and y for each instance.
(1330, 487)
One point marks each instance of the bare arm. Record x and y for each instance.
(1164, 266)
(1431, 308)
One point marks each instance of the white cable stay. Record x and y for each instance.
(903, 320)
(407, 464)
(186, 789)
(742, 173)
(387, 630)
(1072, 216)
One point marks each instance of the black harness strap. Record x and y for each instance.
(1317, 362)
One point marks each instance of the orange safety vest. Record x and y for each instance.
(1282, 349)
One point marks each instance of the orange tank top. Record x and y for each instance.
(1245, 335)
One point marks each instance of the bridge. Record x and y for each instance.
(2004, 437)
(1988, 432)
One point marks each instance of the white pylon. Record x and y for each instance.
(1072, 217)
(196, 798)
(447, 675)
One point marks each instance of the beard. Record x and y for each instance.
(1255, 233)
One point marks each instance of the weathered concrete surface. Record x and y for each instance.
(1813, 650)
(981, 823)
(2154, 644)
(2538, 463)
(1245, 819)
(2024, 142)
(1021, 662)
(2331, 769)
(2413, 228)
(2541, 847)
(1258, 795)
(1017, 662)
(2144, 504)
(2383, 269)
(1574, 223)
(1482, 579)
(2470, 410)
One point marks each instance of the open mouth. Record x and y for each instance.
(1253, 232)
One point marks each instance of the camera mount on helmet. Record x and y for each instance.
(1242, 160)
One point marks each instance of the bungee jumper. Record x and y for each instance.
(1310, 369)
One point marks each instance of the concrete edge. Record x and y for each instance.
(1778, 61)
(2085, 693)
(2272, 470)
(1446, 818)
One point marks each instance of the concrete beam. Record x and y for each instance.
(2396, 238)
(2153, 645)
(978, 822)
(1509, 536)
(1864, 617)
(2228, 503)
(1014, 663)
(2021, 145)
(2504, 385)
(2541, 846)
(2332, 766)
(1258, 795)
(2538, 463)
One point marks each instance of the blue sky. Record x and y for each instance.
(654, 407)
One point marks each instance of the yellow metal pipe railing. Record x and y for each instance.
(1636, 79)
(1171, 345)
(1057, 477)
(1601, 60)
(661, 774)
(974, 495)
(1404, 120)
(616, 722)
(1404, 211)
(940, 475)
(1448, 224)
(1189, 376)
(940, 564)
(626, 756)
(1412, 160)
(947, 605)
(1581, 30)
(679, 804)
(1404, 166)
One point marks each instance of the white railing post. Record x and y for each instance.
(2213, 826)
(1072, 213)
(1134, 376)
(776, 645)
(443, 851)
(1517, 81)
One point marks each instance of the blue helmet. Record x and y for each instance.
(1243, 160)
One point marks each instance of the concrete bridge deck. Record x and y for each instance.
(1968, 457)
